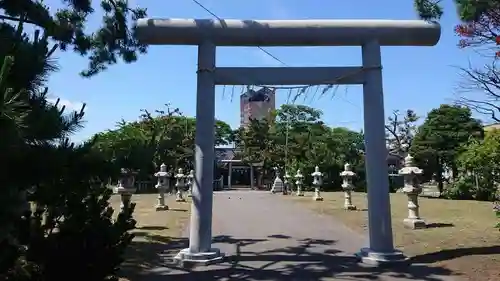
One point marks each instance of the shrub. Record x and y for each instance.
(461, 189)
(69, 233)
(471, 187)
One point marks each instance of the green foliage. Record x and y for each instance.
(440, 139)
(445, 130)
(166, 137)
(479, 29)
(468, 10)
(55, 219)
(473, 10)
(296, 138)
(481, 160)
(428, 9)
(257, 138)
(73, 228)
(112, 41)
(461, 189)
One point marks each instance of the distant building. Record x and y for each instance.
(256, 105)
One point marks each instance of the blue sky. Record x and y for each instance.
(420, 78)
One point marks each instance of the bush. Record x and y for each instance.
(68, 233)
(470, 187)
(86, 244)
(460, 189)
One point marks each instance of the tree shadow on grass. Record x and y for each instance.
(439, 225)
(151, 227)
(451, 254)
(149, 259)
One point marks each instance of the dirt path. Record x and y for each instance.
(268, 238)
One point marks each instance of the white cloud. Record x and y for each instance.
(70, 105)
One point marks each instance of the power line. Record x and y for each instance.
(220, 19)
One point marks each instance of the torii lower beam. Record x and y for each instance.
(288, 75)
(369, 34)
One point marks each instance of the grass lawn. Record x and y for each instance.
(158, 233)
(460, 235)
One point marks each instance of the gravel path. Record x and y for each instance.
(266, 237)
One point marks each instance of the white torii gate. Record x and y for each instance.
(369, 34)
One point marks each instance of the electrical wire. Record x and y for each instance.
(220, 19)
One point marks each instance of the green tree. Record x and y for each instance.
(298, 126)
(440, 139)
(479, 30)
(480, 164)
(68, 27)
(71, 225)
(165, 136)
(296, 138)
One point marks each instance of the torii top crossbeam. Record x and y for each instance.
(287, 32)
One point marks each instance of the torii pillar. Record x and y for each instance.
(369, 34)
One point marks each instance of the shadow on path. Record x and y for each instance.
(149, 259)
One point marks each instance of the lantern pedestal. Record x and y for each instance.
(160, 206)
(125, 196)
(317, 196)
(348, 199)
(350, 208)
(414, 223)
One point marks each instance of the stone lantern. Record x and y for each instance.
(189, 183)
(277, 184)
(347, 176)
(180, 184)
(162, 185)
(287, 183)
(299, 178)
(412, 189)
(317, 182)
(125, 188)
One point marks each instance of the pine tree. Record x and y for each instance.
(68, 231)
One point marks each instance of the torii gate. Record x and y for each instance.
(369, 34)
